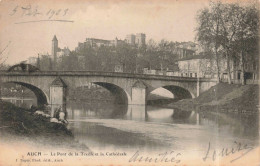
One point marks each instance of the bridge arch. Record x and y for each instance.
(178, 92)
(122, 97)
(42, 98)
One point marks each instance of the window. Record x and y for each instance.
(190, 74)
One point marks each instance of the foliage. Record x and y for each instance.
(230, 30)
(104, 58)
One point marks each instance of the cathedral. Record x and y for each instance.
(56, 52)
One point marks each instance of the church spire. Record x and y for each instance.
(54, 38)
(55, 49)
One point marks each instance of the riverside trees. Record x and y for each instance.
(154, 55)
(231, 29)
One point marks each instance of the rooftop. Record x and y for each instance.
(199, 56)
(54, 38)
(58, 82)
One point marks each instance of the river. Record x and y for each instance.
(105, 126)
(154, 129)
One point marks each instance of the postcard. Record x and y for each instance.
(129, 82)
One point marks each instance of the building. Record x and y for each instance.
(138, 39)
(56, 52)
(188, 45)
(63, 52)
(135, 40)
(195, 66)
(188, 48)
(192, 62)
(185, 53)
(250, 68)
(204, 66)
(82, 46)
(130, 39)
(116, 42)
(93, 42)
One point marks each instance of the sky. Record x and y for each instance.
(27, 26)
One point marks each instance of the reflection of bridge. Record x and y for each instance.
(52, 87)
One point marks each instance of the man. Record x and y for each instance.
(57, 113)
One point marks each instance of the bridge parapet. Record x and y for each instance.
(107, 74)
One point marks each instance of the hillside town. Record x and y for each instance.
(124, 82)
(135, 55)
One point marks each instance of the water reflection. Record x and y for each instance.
(131, 112)
(131, 127)
(157, 114)
(21, 102)
(235, 125)
(120, 127)
(81, 110)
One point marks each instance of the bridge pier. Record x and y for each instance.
(139, 93)
(57, 95)
(137, 112)
(198, 87)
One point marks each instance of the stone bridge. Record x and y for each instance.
(52, 87)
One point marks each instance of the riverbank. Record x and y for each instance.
(223, 98)
(21, 124)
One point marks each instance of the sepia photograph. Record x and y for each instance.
(129, 82)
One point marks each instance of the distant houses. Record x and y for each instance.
(193, 62)
(137, 40)
(190, 59)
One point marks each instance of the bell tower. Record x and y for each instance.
(54, 51)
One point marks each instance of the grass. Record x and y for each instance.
(24, 124)
(224, 97)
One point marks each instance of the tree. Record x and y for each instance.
(239, 26)
(208, 30)
(246, 39)
(45, 63)
(38, 62)
(230, 27)
(4, 58)
(163, 53)
(152, 55)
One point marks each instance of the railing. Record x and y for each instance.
(106, 74)
(236, 81)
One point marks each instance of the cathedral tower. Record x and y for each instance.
(54, 51)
